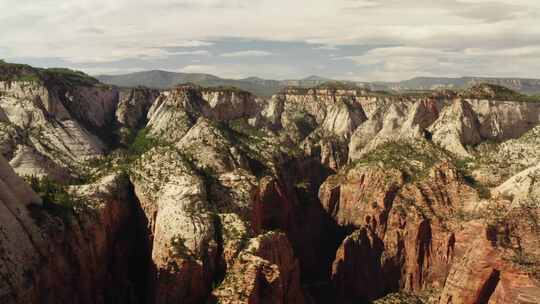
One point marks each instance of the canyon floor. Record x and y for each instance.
(331, 194)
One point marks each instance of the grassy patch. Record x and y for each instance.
(55, 76)
(67, 77)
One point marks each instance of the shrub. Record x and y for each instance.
(463, 168)
(142, 143)
(413, 160)
(56, 199)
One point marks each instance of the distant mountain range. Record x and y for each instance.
(266, 87)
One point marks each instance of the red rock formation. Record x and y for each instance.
(402, 241)
(51, 254)
(265, 272)
(413, 236)
(497, 263)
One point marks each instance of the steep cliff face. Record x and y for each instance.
(397, 120)
(336, 111)
(453, 122)
(46, 127)
(498, 162)
(500, 264)
(133, 105)
(401, 216)
(201, 203)
(222, 104)
(184, 249)
(418, 232)
(266, 271)
(57, 253)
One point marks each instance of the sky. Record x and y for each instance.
(362, 40)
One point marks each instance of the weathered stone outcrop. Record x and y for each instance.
(498, 162)
(417, 235)
(504, 120)
(131, 111)
(182, 235)
(266, 271)
(337, 112)
(46, 128)
(403, 229)
(522, 187)
(52, 254)
(399, 120)
(497, 262)
(457, 127)
(168, 117)
(228, 104)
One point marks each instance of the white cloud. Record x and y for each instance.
(398, 63)
(248, 53)
(133, 52)
(187, 44)
(326, 48)
(197, 52)
(441, 31)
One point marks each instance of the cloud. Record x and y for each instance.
(197, 53)
(136, 53)
(249, 53)
(168, 34)
(398, 63)
(326, 48)
(187, 44)
(91, 30)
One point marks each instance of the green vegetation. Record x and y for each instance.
(251, 141)
(529, 98)
(414, 160)
(18, 72)
(496, 92)
(302, 185)
(142, 143)
(241, 126)
(56, 199)
(120, 160)
(463, 167)
(67, 77)
(58, 76)
(304, 122)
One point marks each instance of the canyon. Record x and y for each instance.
(330, 194)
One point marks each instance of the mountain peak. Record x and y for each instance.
(315, 78)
